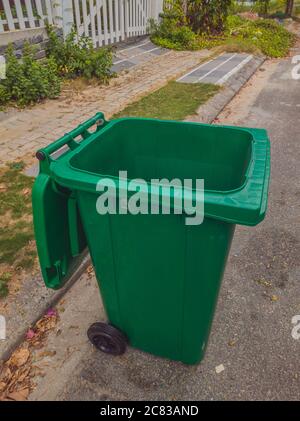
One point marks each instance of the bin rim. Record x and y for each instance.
(245, 205)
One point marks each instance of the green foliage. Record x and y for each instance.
(207, 17)
(4, 279)
(16, 230)
(274, 8)
(240, 7)
(171, 34)
(271, 38)
(13, 239)
(264, 35)
(184, 22)
(202, 16)
(263, 6)
(15, 197)
(27, 80)
(4, 94)
(78, 57)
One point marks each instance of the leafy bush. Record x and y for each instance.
(4, 279)
(202, 16)
(170, 34)
(27, 80)
(183, 22)
(78, 58)
(4, 94)
(270, 37)
(207, 17)
(264, 35)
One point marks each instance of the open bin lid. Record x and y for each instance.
(58, 229)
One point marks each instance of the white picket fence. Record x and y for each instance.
(104, 21)
(108, 21)
(26, 14)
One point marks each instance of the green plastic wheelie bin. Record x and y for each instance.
(159, 277)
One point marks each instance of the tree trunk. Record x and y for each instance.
(289, 7)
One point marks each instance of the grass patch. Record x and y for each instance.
(271, 38)
(13, 239)
(5, 277)
(175, 101)
(16, 231)
(239, 46)
(15, 191)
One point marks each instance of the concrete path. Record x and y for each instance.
(132, 55)
(217, 70)
(252, 330)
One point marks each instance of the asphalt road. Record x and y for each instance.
(251, 335)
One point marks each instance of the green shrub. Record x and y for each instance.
(27, 80)
(4, 279)
(202, 16)
(173, 30)
(78, 57)
(207, 17)
(270, 37)
(4, 94)
(169, 35)
(264, 35)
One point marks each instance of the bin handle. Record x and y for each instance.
(69, 138)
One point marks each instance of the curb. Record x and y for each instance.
(33, 307)
(208, 112)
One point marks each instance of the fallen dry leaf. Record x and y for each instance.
(17, 373)
(90, 271)
(46, 354)
(26, 191)
(263, 282)
(20, 357)
(22, 376)
(19, 395)
(6, 374)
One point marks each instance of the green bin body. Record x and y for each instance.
(159, 277)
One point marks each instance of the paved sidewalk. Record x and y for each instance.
(218, 70)
(130, 55)
(23, 132)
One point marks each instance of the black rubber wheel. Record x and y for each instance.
(107, 338)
